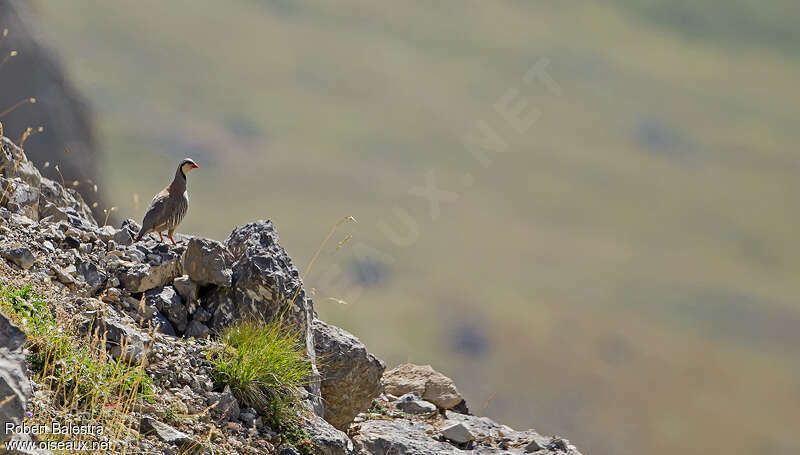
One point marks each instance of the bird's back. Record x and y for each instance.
(158, 212)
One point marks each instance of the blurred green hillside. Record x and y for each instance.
(625, 276)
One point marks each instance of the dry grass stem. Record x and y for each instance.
(16, 105)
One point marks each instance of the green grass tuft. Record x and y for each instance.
(76, 367)
(265, 364)
(76, 370)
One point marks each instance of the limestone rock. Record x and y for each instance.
(94, 278)
(197, 329)
(187, 289)
(207, 262)
(163, 266)
(351, 376)
(19, 197)
(162, 325)
(14, 383)
(68, 201)
(328, 440)
(19, 255)
(224, 404)
(457, 433)
(411, 403)
(169, 303)
(385, 437)
(265, 284)
(14, 163)
(164, 432)
(123, 340)
(430, 384)
(106, 233)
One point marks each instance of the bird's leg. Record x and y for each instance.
(160, 236)
(169, 234)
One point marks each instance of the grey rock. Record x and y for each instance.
(415, 437)
(123, 340)
(69, 201)
(202, 315)
(162, 325)
(11, 337)
(168, 302)
(328, 440)
(142, 310)
(288, 451)
(484, 426)
(457, 433)
(461, 408)
(224, 404)
(197, 329)
(14, 383)
(62, 275)
(533, 446)
(131, 226)
(527, 441)
(411, 403)
(264, 278)
(248, 419)
(207, 262)
(49, 213)
(21, 221)
(14, 163)
(106, 233)
(164, 432)
(351, 376)
(386, 437)
(123, 237)
(166, 266)
(423, 379)
(265, 284)
(93, 277)
(187, 289)
(19, 255)
(19, 197)
(70, 242)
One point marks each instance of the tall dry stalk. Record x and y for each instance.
(321, 247)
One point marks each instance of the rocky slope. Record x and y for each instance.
(159, 305)
(37, 72)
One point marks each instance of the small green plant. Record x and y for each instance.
(377, 408)
(261, 361)
(77, 367)
(171, 415)
(76, 370)
(264, 364)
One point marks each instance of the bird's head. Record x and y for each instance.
(188, 165)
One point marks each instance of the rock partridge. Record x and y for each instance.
(169, 206)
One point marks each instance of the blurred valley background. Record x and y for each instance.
(625, 275)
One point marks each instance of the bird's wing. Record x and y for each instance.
(158, 211)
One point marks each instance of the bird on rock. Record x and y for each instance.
(169, 206)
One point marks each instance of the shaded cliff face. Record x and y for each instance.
(35, 72)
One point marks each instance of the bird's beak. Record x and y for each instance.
(194, 166)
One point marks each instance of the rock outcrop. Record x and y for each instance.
(15, 388)
(424, 380)
(36, 72)
(159, 305)
(351, 376)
